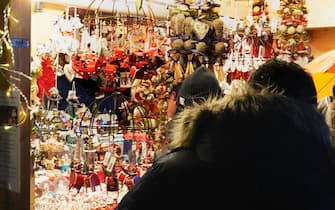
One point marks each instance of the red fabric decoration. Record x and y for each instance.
(47, 79)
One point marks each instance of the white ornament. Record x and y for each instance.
(247, 31)
(291, 42)
(291, 30)
(139, 112)
(297, 12)
(286, 10)
(302, 60)
(282, 28)
(300, 28)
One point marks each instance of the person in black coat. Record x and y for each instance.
(251, 150)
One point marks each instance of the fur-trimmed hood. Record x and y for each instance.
(267, 119)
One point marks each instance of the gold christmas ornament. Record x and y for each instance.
(220, 47)
(291, 42)
(177, 44)
(152, 123)
(218, 25)
(201, 47)
(189, 44)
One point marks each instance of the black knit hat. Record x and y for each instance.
(199, 86)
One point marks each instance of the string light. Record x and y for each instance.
(5, 40)
(8, 92)
(14, 19)
(5, 67)
(6, 127)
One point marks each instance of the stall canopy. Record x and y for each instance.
(322, 69)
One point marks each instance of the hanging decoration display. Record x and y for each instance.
(111, 140)
(292, 38)
(196, 29)
(250, 44)
(260, 10)
(87, 155)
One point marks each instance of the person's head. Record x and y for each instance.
(263, 141)
(288, 77)
(197, 88)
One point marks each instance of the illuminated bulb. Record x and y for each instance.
(22, 116)
(14, 19)
(3, 34)
(8, 92)
(8, 46)
(4, 65)
(7, 127)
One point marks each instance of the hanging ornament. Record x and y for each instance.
(178, 71)
(189, 66)
(282, 28)
(218, 70)
(291, 29)
(300, 28)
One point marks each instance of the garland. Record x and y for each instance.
(292, 44)
(7, 62)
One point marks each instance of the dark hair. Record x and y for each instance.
(288, 77)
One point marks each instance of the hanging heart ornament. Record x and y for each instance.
(200, 29)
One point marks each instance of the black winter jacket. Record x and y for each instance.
(196, 185)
